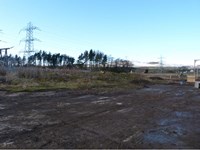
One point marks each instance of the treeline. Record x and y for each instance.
(92, 59)
(96, 59)
(11, 61)
(87, 59)
(43, 58)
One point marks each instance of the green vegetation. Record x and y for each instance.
(93, 70)
(34, 79)
(88, 59)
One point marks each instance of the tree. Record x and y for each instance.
(49, 59)
(39, 57)
(91, 57)
(98, 58)
(80, 59)
(31, 60)
(54, 59)
(44, 57)
(104, 60)
(18, 60)
(23, 60)
(71, 60)
(60, 60)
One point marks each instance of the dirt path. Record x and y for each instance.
(161, 116)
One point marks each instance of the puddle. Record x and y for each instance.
(2, 106)
(102, 98)
(61, 104)
(180, 93)
(16, 94)
(31, 123)
(174, 119)
(6, 128)
(38, 122)
(170, 127)
(84, 113)
(161, 138)
(85, 96)
(125, 110)
(167, 135)
(6, 118)
(7, 143)
(3, 126)
(17, 128)
(164, 122)
(34, 114)
(128, 139)
(51, 122)
(190, 90)
(183, 114)
(118, 103)
(101, 102)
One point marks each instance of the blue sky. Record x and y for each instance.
(140, 30)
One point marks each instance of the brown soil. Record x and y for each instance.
(161, 116)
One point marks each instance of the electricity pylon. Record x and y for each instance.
(29, 45)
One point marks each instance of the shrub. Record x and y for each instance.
(29, 73)
(3, 71)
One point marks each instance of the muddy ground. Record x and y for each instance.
(158, 116)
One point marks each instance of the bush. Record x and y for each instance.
(139, 79)
(3, 71)
(118, 69)
(2, 79)
(29, 73)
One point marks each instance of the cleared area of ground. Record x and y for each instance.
(156, 116)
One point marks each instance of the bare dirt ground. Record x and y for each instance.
(159, 116)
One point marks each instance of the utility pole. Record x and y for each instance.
(29, 45)
(195, 69)
(161, 64)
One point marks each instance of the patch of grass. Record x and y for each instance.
(34, 79)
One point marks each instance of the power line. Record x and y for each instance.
(29, 45)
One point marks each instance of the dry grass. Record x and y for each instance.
(32, 79)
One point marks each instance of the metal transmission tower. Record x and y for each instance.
(29, 45)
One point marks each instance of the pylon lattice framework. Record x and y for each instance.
(29, 45)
